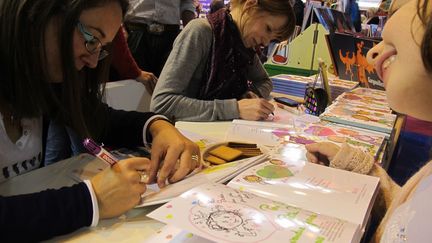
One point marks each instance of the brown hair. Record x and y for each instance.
(274, 7)
(24, 83)
(426, 45)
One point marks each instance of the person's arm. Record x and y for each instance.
(187, 11)
(258, 75)
(168, 145)
(124, 128)
(122, 59)
(124, 63)
(39, 216)
(181, 79)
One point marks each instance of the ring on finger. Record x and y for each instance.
(195, 157)
(143, 177)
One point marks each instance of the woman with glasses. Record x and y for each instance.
(54, 54)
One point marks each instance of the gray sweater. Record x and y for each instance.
(179, 83)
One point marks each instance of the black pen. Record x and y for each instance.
(255, 90)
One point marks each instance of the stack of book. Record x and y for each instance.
(291, 84)
(339, 86)
(363, 108)
(296, 85)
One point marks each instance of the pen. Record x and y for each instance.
(256, 90)
(99, 152)
(294, 110)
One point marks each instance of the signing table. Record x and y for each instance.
(133, 226)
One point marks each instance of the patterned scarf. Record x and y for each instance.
(225, 76)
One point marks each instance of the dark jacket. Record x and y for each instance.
(38, 216)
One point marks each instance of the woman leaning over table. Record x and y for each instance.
(52, 63)
(403, 60)
(206, 75)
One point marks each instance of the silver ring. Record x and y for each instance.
(143, 177)
(195, 157)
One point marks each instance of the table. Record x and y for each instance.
(133, 226)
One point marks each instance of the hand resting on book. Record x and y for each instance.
(344, 157)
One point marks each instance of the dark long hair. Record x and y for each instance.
(426, 45)
(24, 81)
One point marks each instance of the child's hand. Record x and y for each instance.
(321, 153)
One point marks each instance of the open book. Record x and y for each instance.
(282, 200)
(219, 173)
(154, 195)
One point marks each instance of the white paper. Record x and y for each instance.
(338, 193)
(219, 213)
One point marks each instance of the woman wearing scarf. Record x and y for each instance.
(213, 72)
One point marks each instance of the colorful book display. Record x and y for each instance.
(364, 108)
(365, 98)
(283, 200)
(368, 141)
(359, 117)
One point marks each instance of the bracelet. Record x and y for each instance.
(352, 159)
(148, 134)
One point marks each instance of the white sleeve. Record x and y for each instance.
(145, 129)
(95, 206)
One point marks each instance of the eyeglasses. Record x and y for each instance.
(92, 43)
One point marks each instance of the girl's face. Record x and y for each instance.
(101, 23)
(259, 28)
(398, 62)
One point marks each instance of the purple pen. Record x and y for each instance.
(100, 152)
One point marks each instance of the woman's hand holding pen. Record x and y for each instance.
(255, 109)
(250, 95)
(171, 147)
(119, 188)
